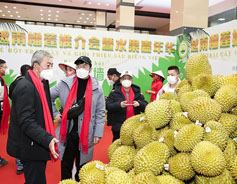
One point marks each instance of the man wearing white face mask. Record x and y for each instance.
(83, 118)
(124, 102)
(172, 81)
(4, 102)
(113, 76)
(31, 135)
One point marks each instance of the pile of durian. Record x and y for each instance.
(188, 138)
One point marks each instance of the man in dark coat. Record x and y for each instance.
(113, 76)
(123, 102)
(29, 137)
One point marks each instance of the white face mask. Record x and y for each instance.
(111, 82)
(46, 74)
(7, 71)
(126, 83)
(82, 73)
(171, 79)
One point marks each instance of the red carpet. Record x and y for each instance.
(8, 172)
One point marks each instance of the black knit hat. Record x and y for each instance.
(112, 71)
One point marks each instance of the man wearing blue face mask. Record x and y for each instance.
(83, 118)
(172, 81)
(124, 102)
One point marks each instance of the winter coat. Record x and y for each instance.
(96, 128)
(117, 113)
(27, 137)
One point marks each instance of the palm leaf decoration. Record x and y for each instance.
(12, 27)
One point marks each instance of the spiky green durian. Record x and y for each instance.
(233, 169)
(92, 173)
(188, 137)
(181, 84)
(197, 64)
(187, 98)
(68, 181)
(175, 107)
(158, 113)
(180, 166)
(184, 89)
(152, 158)
(216, 134)
(229, 121)
(234, 111)
(168, 96)
(168, 179)
(204, 109)
(229, 79)
(123, 157)
(226, 96)
(145, 178)
(116, 144)
(179, 120)
(208, 159)
(116, 177)
(230, 153)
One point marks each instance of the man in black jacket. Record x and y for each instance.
(27, 136)
(23, 69)
(123, 102)
(113, 76)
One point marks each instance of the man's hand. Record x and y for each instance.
(136, 103)
(52, 148)
(123, 104)
(96, 140)
(58, 117)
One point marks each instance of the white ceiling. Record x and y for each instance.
(82, 12)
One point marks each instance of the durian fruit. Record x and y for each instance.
(204, 109)
(229, 79)
(229, 121)
(233, 169)
(131, 174)
(234, 110)
(184, 89)
(116, 144)
(186, 98)
(92, 173)
(180, 166)
(167, 137)
(109, 170)
(168, 179)
(168, 96)
(188, 137)
(175, 107)
(179, 120)
(226, 96)
(230, 153)
(118, 177)
(152, 158)
(68, 181)
(157, 132)
(181, 84)
(123, 157)
(208, 159)
(128, 127)
(206, 83)
(197, 64)
(158, 113)
(142, 135)
(216, 134)
(145, 178)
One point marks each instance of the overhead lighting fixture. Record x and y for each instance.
(49, 11)
(14, 7)
(57, 11)
(11, 15)
(87, 18)
(18, 16)
(49, 15)
(78, 21)
(0, 10)
(107, 4)
(80, 17)
(92, 22)
(82, 13)
(49, 18)
(98, 4)
(5, 6)
(41, 10)
(60, 0)
(42, 18)
(90, 14)
(221, 19)
(176, 11)
(3, 15)
(17, 12)
(9, 11)
(56, 19)
(41, 14)
(84, 22)
(56, 15)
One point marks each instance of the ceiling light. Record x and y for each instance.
(49, 18)
(3, 15)
(17, 12)
(42, 18)
(221, 19)
(0, 10)
(56, 15)
(49, 15)
(41, 14)
(91, 22)
(6, 6)
(41, 10)
(107, 4)
(176, 11)
(11, 15)
(18, 16)
(84, 22)
(89, 2)
(56, 19)
(60, 0)
(14, 7)
(93, 18)
(57, 11)
(90, 14)
(80, 17)
(82, 13)
(9, 11)
(49, 11)
(98, 4)
(87, 18)
(78, 21)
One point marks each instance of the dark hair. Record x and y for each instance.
(24, 69)
(174, 68)
(2, 61)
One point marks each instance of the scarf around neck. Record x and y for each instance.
(6, 110)
(130, 109)
(84, 134)
(47, 115)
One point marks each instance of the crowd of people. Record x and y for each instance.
(32, 140)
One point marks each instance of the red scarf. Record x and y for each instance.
(130, 109)
(47, 115)
(83, 140)
(6, 110)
